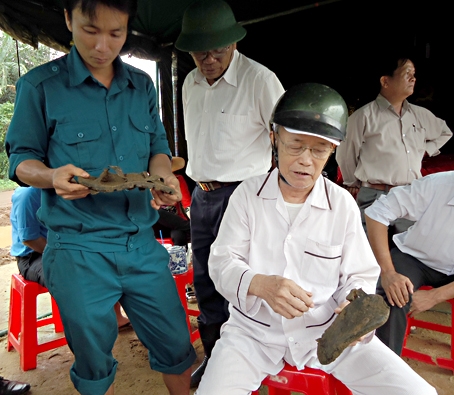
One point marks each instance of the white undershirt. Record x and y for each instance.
(293, 209)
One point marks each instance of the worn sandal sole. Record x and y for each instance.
(118, 181)
(362, 315)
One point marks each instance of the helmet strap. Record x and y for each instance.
(283, 179)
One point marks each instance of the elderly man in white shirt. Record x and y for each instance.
(227, 102)
(290, 249)
(423, 254)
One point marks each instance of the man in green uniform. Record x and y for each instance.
(73, 117)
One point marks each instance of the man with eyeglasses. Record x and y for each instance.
(227, 103)
(388, 137)
(286, 257)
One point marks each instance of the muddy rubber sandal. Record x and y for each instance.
(118, 181)
(362, 315)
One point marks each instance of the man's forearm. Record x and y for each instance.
(444, 293)
(35, 173)
(378, 239)
(37, 245)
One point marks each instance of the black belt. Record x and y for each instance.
(213, 185)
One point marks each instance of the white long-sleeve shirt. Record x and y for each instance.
(227, 124)
(324, 250)
(430, 202)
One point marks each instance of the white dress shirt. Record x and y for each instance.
(227, 123)
(382, 147)
(430, 202)
(324, 250)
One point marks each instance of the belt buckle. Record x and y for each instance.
(206, 186)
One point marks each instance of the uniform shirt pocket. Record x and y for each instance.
(143, 132)
(80, 145)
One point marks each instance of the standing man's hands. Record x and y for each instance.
(161, 198)
(160, 165)
(353, 191)
(65, 186)
(283, 295)
(35, 173)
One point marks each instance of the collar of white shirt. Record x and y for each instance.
(317, 198)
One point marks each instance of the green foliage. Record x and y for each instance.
(11, 67)
(10, 70)
(7, 185)
(6, 113)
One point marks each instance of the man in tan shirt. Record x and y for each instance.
(388, 138)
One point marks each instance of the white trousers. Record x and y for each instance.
(238, 365)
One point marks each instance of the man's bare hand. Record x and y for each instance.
(353, 191)
(65, 187)
(397, 287)
(161, 198)
(422, 301)
(283, 295)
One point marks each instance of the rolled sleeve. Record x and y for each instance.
(22, 144)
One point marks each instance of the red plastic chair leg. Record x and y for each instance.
(23, 323)
(181, 280)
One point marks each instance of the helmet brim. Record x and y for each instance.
(330, 139)
(198, 42)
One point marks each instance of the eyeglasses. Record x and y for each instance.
(296, 149)
(215, 53)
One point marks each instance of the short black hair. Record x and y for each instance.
(390, 62)
(88, 7)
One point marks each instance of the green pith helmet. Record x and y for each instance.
(207, 25)
(312, 108)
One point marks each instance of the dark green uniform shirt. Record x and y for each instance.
(64, 116)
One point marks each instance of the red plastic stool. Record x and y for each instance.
(23, 323)
(308, 381)
(446, 363)
(181, 280)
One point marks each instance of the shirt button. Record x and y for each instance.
(120, 157)
(55, 68)
(57, 236)
(289, 237)
(80, 135)
(404, 134)
(131, 245)
(408, 152)
(57, 245)
(290, 339)
(114, 128)
(147, 127)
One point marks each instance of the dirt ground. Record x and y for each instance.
(51, 377)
